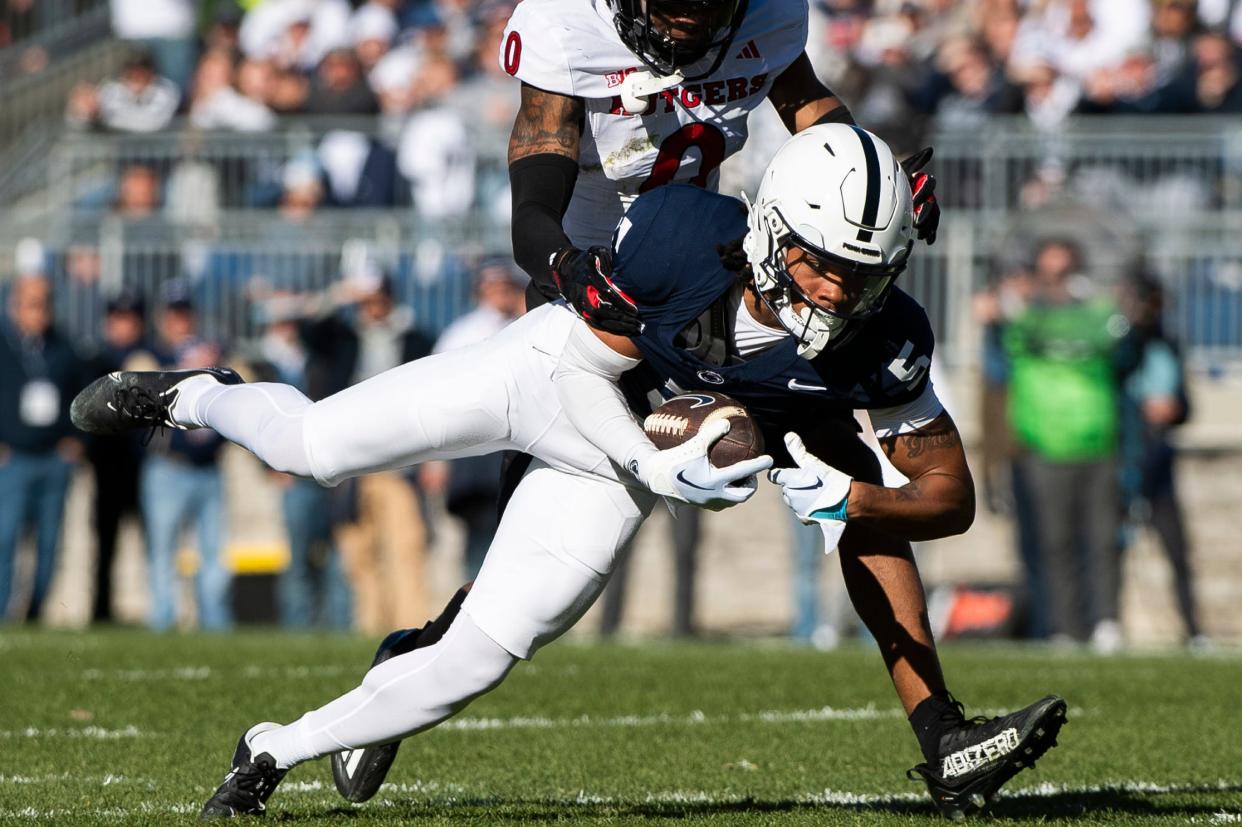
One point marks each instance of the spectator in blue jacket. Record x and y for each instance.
(40, 373)
(181, 486)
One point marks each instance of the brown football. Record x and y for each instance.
(681, 417)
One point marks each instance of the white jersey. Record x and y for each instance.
(571, 47)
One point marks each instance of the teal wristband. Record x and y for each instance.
(836, 512)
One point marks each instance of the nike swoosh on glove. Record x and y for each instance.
(685, 474)
(815, 491)
(584, 279)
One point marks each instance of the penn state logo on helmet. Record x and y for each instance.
(835, 194)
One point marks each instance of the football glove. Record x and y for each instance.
(584, 279)
(815, 491)
(923, 188)
(685, 474)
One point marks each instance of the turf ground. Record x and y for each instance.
(129, 728)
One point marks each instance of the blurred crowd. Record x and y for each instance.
(1082, 392)
(241, 65)
(426, 72)
(356, 553)
(900, 62)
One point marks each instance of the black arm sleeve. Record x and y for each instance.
(542, 186)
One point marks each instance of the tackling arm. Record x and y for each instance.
(543, 168)
(802, 100)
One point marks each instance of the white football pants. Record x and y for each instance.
(554, 550)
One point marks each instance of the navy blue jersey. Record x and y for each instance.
(667, 260)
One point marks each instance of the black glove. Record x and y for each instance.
(584, 279)
(923, 187)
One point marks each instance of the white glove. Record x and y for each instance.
(686, 475)
(815, 491)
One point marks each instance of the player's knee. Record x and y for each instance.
(481, 677)
(478, 663)
(281, 446)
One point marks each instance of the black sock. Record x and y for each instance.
(933, 717)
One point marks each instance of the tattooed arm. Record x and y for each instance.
(939, 499)
(546, 122)
(543, 167)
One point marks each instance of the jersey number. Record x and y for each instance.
(710, 142)
(513, 52)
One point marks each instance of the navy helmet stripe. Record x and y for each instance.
(871, 207)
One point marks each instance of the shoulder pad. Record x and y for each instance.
(778, 29)
(533, 49)
(565, 47)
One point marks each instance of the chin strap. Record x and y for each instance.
(639, 86)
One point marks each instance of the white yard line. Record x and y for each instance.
(202, 673)
(693, 718)
(696, 717)
(96, 732)
(107, 780)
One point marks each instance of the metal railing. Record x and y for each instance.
(253, 256)
(1162, 193)
(1149, 165)
(34, 98)
(55, 25)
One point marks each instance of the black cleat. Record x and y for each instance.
(130, 400)
(979, 756)
(359, 773)
(249, 783)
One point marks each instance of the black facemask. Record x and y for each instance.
(673, 35)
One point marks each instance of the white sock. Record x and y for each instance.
(401, 696)
(265, 418)
(189, 392)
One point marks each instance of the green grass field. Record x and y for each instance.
(130, 728)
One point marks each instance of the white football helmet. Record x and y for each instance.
(836, 192)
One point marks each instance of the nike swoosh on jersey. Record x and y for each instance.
(795, 385)
(681, 477)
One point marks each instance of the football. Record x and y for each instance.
(681, 417)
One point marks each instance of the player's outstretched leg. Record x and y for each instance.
(249, 782)
(977, 756)
(129, 400)
(358, 773)
(408, 693)
(265, 418)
